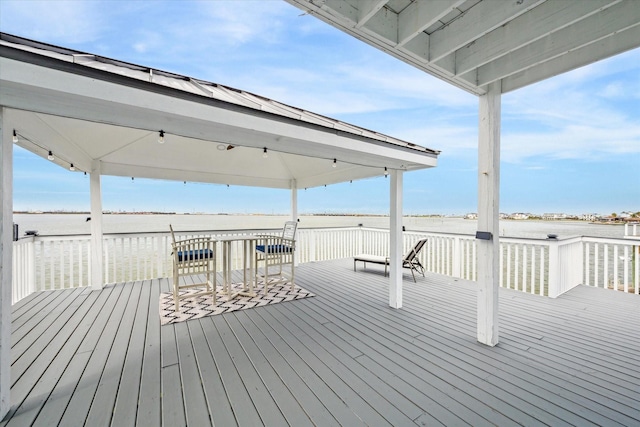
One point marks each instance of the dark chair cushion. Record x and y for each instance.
(275, 249)
(195, 255)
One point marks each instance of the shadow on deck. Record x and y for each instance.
(342, 357)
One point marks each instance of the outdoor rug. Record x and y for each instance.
(197, 307)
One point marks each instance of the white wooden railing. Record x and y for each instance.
(546, 267)
(632, 230)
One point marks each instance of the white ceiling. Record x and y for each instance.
(88, 109)
(471, 43)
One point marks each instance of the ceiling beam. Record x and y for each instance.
(618, 43)
(367, 9)
(526, 28)
(591, 29)
(420, 15)
(475, 23)
(345, 10)
(384, 26)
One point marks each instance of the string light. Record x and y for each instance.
(264, 153)
(71, 167)
(50, 156)
(386, 172)
(161, 137)
(15, 137)
(335, 164)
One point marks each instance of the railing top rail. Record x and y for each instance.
(506, 239)
(612, 240)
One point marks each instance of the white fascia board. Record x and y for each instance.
(347, 10)
(60, 93)
(137, 171)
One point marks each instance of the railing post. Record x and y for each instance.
(31, 265)
(457, 258)
(566, 266)
(554, 269)
(312, 247)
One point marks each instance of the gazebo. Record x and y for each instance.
(101, 116)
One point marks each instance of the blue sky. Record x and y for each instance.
(569, 144)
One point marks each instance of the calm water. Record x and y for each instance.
(55, 224)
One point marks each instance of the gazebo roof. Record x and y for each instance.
(85, 109)
(471, 43)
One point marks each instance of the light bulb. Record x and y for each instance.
(71, 167)
(334, 163)
(50, 156)
(15, 137)
(386, 172)
(161, 137)
(264, 153)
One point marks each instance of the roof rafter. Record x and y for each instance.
(367, 9)
(481, 41)
(418, 16)
(478, 21)
(524, 29)
(572, 37)
(604, 48)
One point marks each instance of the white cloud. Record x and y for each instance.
(235, 23)
(64, 22)
(451, 139)
(588, 113)
(571, 142)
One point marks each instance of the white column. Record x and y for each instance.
(6, 260)
(395, 234)
(294, 200)
(294, 216)
(97, 259)
(488, 214)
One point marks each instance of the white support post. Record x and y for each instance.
(6, 260)
(488, 214)
(294, 200)
(97, 259)
(294, 217)
(395, 241)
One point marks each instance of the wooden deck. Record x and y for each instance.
(342, 357)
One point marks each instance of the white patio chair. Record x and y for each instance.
(276, 253)
(193, 257)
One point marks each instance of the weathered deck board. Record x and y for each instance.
(129, 388)
(341, 358)
(148, 411)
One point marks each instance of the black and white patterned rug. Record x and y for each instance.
(197, 307)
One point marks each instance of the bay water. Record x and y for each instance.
(73, 224)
